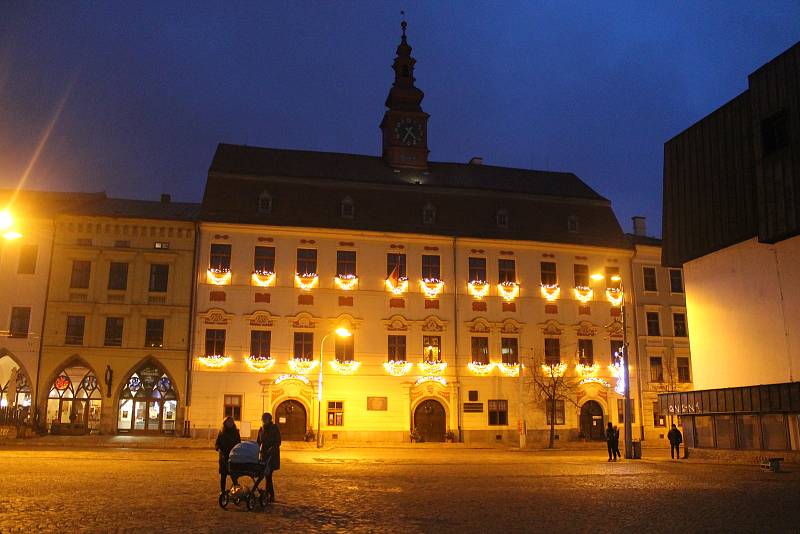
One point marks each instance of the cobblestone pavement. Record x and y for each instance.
(393, 490)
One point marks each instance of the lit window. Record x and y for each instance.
(232, 407)
(431, 348)
(585, 352)
(659, 419)
(335, 413)
(509, 350)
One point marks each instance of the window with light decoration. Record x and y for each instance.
(656, 369)
(304, 345)
(260, 341)
(506, 271)
(74, 333)
(650, 281)
(81, 272)
(344, 349)
(335, 413)
(154, 334)
(581, 274)
(346, 263)
(509, 350)
(480, 350)
(430, 267)
(396, 349)
(27, 259)
(395, 262)
(613, 272)
(616, 349)
(653, 323)
(477, 269)
(215, 342)
(118, 276)
(676, 281)
(683, 369)
(113, 335)
(264, 260)
(431, 348)
(306, 261)
(220, 257)
(621, 410)
(585, 352)
(498, 412)
(679, 324)
(232, 407)
(159, 277)
(552, 351)
(20, 321)
(560, 412)
(549, 274)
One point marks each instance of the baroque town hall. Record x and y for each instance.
(357, 298)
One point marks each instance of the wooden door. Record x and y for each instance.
(430, 420)
(592, 421)
(291, 417)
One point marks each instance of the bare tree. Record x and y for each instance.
(669, 382)
(551, 383)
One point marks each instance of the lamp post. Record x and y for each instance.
(9, 233)
(625, 365)
(341, 332)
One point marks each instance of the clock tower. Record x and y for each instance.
(405, 125)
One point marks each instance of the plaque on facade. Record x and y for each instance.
(377, 404)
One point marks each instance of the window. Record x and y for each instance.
(676, 280)
(560, 412)
(430, 267)
(344, 349)
(498, 412)
(585, 352)
(552, 351)
(431, 348)
(220, 259)
(396, 349)
(161, 245)
(304, 345)
(20, 322)
(118, 276)
(335, 413)
(611, 273)
(659, 419)
(506, 271)
(306, 261)
(215, 342)
(679, 324)
(113, 337)
(656, 370)
(27, 259)
(232, 407)
(428, 214)
(650, 283)
(346, 262)
(477, 269)
(480, 350)
(581, 273)
(549, 274)
(396, 261)
(572, 224)
(774, 133)
(621, 411)
(265, 203)
(81, 270)
(154, 335)
(683, 369)
(502, 218)
(509, 350)
(260, 343)
(74, 335)
(122, 243)
(653, 324)
(616, 349)
(348, 208)
(264, 260)
(159, 277)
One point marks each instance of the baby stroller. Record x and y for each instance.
(243, 462)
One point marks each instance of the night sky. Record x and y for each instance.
(146, 90)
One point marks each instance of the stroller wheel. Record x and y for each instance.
(223, 499)
(264, 499)
(251, 501)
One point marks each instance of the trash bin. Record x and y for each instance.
(637, 449)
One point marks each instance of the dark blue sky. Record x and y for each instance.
(151, 88)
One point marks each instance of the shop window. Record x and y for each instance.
(148, 402)
(159, 277)
(264, 260)
(509, 350)
(81, 272)
(679, 324)
(726, 435)
(650, 283)
(773, 432)
(653, 324)
(659, 419)
(585, 352)
(303, 345)
(703, 431)
(683, 369)
(306, 261)
(656, 369)
(552, 351)
(344, 348)
(20, 322)
(27, 259)
(480, 350)
(215, 342)
(621, 410)
(75, 326)
(346, 263)
(396, 350)
(118, 276)
(220, 257)
(560, 412)
(154, 334)
(430, 267)
(431, 348)
(395, 262)
(748, 431)
(232, 407)
(74, 401)
(581, 273)
(113, 336)
(676, 280)
(335, 413)
(549, 274)
(477, 269)
(498, 412)
(260, 341)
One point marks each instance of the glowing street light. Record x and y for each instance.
(343, 333)
(7, 226)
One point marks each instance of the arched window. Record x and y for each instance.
(148, 402)
(15, 391)
(572, 224)
(428, 214)
(348, 208)
(74, 401)
(502, 218)
(265, 202)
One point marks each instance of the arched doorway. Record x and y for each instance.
(592, 421)
(148, 403)
(73, 403)
(430, 420)
(291, 416)
(15, 392)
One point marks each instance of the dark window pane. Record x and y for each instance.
(264, 260)
(345, 262)
(215, 342)
(159, 277)
(397, 348)
(653, 324)
(509, 350)
(480, 350)
(27, 259)
(220, 258)
(477, 269)
(586, 351)
(560, 412)
(20, 322)
(656, 370)
(430, 267)
(549, 273)
(154, 334)
(650, 283)
(81, 271)
(396, 261)
(676, 280)
(74, 334)
(344, 349)
(683, 369)
(118, 276)
(113, 337)
(260, 341)
(507, 271)
(303, 345)
(679, 324)
(581, 275)
(306, 261)
(552, 351)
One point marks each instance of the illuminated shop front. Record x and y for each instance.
(15, 389)
(147, 403)
(74, 402)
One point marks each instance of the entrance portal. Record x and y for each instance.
(592, 421)
(291, 416)
(430, 421)
(73, 404)
(148, 403)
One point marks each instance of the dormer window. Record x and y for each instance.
(265, 202)
(348, 208)
(502, 218)
(572, 224)
(428, 214)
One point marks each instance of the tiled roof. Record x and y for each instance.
(644, 240)
(27, 202)
(139, 209)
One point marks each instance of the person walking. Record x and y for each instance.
(610, 442)
(269, 440)
(675, 439)
(227, 438)
(617, 454)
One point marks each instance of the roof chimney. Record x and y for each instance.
(166, 198)
(639, 225)
(477, 160)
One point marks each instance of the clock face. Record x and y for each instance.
(408, 132)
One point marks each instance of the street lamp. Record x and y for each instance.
(625, 364)
(9, 233)
(341, 332)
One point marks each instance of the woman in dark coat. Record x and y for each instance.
(269, 438)
(227, 438)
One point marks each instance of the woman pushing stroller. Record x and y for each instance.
(269, 440)
(227, 439)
